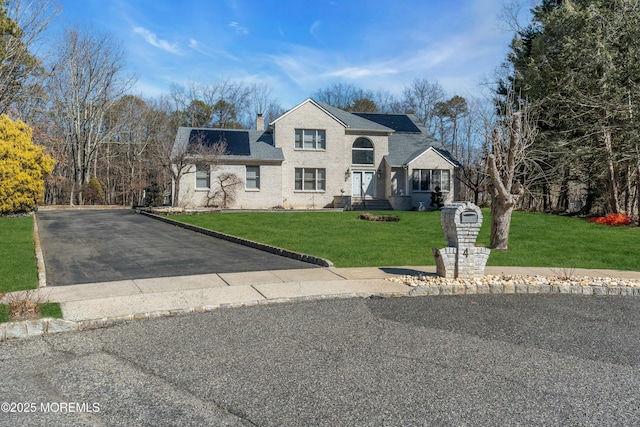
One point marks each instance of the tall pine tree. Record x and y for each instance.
(578, 63)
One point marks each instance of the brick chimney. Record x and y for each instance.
(259, 122)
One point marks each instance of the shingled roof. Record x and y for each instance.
(409, 140)
(259, 144)
(353, 121)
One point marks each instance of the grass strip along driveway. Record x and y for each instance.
(18, 269)
(17, 257)
(536, 239)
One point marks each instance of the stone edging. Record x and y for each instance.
(37, 327)
(42, 271)
(497, 288)
(246, 242)
(32, 328)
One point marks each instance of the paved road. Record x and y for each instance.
(86, 246)
(464, 360)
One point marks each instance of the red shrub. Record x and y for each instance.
(612, 219)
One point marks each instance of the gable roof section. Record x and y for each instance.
(348, 120)
(410, 140)
(242, 145)
(441, 151)
(308, 101)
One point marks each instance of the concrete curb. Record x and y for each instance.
(111, 321)
(37, 327)
(33, 328)
(246, 242)
(42, 271)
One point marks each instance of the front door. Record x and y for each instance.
(364, 184)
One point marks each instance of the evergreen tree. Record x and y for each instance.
(23, 167)
(578, 64)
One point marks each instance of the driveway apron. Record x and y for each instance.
(87, 246)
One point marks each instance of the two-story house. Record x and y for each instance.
(317, 156)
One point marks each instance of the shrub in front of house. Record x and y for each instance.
(379, 218)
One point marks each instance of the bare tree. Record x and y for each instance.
(126, 165)
(180, 162)
(387, 102)
(262, 102)
(22, 28)
(223, 103)
(341, 95)
(225, 191)
(86, 80)
(474, 148)
(510, 144)
(352, 98)
(420, 97)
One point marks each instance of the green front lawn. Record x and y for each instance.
(18, 269)
(535, 240)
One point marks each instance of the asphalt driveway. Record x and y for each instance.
(86, 246)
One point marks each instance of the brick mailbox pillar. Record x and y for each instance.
(461, 258)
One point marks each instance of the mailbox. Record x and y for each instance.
(461, 258)
(468, 217)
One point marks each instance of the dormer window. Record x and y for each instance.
(362, 152)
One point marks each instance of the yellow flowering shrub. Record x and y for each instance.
(23, 167)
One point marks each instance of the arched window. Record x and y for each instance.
(362, 152)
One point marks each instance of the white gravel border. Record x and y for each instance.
(520, 284)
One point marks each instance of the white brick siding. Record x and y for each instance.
(431, 159)
(268, 196)
(277, 180)
(308, 116)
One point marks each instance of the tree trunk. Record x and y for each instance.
(637, 186)
(71, 193)
(504, 188)
(614, 199)
(500, 223)
(502, 204)
(562, 204)
(628, 189)
(176, 192)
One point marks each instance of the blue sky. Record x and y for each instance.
(300, 46)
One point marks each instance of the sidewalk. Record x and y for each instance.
(94, 305)
(114, 299)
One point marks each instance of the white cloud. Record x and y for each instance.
(238, 28)
(293, 66)
(153, 40)
(210, 52)
(358, 72)
(315, 28)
